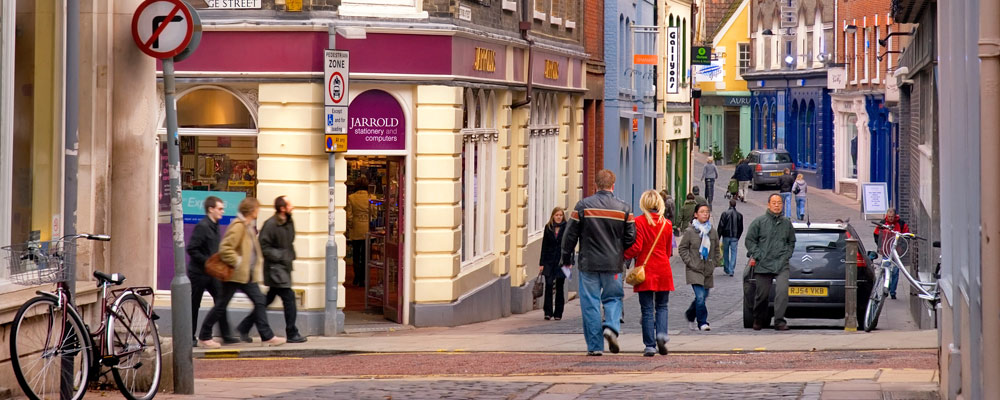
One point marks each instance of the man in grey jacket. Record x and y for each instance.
(277, 239)
(710, 174)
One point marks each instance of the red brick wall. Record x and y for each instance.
(862, 13)
(593, 111)
(593, 29)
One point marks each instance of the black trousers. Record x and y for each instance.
(258, 314)
(358, 257)
(763, 293)
(554, 285)
(200, 283)
(709, 190)
(287, 301)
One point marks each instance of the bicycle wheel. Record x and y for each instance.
(133, 341)
(49, 350)
(876, 300)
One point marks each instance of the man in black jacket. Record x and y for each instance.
(604, 227)
(743, 175)
(730, 229)
(277, 239)
(203, 244)
(785, 183)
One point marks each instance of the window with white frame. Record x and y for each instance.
(866, 42)
(479, 143)
(744, 50)
(543, 155)
(854, 55)
(888, 55)
(878, 63)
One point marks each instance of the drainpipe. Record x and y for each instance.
(989, 70)
(525, 26)
(71, 157)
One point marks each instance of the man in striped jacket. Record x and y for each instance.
(605, 227)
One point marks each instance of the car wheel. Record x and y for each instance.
(748, 293)
(753, 185)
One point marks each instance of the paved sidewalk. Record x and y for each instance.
(805, 385)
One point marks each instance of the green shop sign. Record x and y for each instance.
(702, 55)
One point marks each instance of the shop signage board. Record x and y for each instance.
(673, 60)
(701, 55)
(644, 59)
(194, 204)
(162, 28)
(874, 198)
(377, 124)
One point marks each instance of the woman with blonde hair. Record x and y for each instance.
(799, 189)
(652, 248)
(548, 264)
(241, 250)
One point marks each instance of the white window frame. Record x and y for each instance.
(543, 155)
(854, 43)
(866, 43)
(888, 30)
(7, 24)
(741, 50)
(878, 64)
(479, 141)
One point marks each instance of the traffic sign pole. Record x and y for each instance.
(333, 318)
(180, 286)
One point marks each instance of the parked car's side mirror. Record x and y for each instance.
(872, 255)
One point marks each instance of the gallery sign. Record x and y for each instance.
(376, 124)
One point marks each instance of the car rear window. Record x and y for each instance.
(812, 240)
(775, 158)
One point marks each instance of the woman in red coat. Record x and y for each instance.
(652, 248)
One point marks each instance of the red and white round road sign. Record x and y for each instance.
(162, 28)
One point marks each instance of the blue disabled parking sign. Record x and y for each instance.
(329, 120)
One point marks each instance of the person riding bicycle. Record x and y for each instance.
(893, 221)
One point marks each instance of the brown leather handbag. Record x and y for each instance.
(217, 268)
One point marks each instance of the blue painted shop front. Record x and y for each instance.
(884, 145)
(796, 115)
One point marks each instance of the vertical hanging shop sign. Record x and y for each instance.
(673, 61)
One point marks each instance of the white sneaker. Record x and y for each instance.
(692, 325)
(705, 327)
(209, 344)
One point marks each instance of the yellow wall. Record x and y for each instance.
(730, 40)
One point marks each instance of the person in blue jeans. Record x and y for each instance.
(604, 227)
(652, 251)
(699, 249)
(785, 183)
(730, 229)
(799, 189)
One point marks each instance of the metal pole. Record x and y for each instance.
(333, 318)
(851, 287)
(180, 286)
(70, 164)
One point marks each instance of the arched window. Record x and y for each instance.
(543, 155)
(811, 123)
(774, 125)
(766, 131)
(480, 136)
(793, 141)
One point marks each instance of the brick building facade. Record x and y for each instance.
(593, 101)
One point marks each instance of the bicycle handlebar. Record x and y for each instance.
(905, 235)
(88, 236)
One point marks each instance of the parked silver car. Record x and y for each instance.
(768, 165)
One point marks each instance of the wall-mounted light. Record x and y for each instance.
(767, 32)
(885, 42)
(851, 29)
(881, 56)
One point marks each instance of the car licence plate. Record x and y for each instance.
(777, 173)
(807, 291)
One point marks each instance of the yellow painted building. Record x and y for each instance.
(724, 119)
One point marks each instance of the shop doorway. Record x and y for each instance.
(375, 232)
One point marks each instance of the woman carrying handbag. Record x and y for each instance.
(653, 234)
(241, 250)
(548, 265)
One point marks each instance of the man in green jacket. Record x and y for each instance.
(687, 213)
(770, 244)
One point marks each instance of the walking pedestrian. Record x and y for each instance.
(358, 214)
(709, 174)
(203, 244)
(799, 189)
(277, 239)
(605, 227)
(687, 212)
(549, 266)
(743, 175)
(770, 243)
(730, 228)
(785, 183)
(241, 250)
(699, 249)
(652, 251)
(884, 238)
(668, 206)
(697, 196)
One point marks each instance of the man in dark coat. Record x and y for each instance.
(277, 239)
(203, 244)
(698, 199)
(605, 228)
(730, 229)
(743, 175)
(785, 183)
(770, 243)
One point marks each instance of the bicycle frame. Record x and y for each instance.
(893, 259)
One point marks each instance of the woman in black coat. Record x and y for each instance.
(548, 264)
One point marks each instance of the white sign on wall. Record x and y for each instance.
(710, 73)
(673, 60)
(836, 78)
(874, 198)
(233, 4)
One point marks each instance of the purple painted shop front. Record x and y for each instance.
(376, 123)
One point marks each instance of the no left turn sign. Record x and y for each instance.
(162, 28)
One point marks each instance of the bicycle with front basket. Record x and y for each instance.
(890, 261)
(53, 352)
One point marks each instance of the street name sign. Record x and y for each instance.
(162, 28)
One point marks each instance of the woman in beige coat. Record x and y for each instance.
(699, 248)
(241, 250)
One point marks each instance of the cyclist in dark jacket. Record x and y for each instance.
(605, 228)
(203, 244)
(730, 229)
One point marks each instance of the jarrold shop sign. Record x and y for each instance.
(486, 60)
(551, 70)
(376, 124)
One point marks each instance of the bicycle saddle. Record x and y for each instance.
(114, 278)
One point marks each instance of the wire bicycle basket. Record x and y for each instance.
(38, 262)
